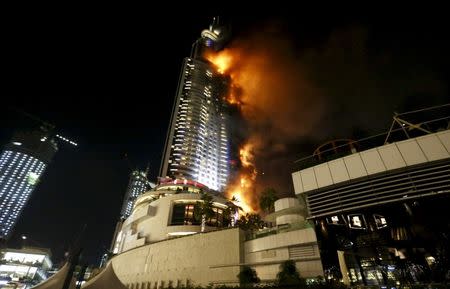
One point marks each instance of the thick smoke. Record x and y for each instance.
(292, 97)
(277, 100)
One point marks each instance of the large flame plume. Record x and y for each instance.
(284, 88)
(276, 102)
(243, 187)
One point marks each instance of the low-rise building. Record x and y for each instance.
(162, 244)
(27, 265)
(381, 212)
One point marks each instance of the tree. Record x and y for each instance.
(203, 210)
(288, 275)
(229, 215)
(267, 200)
(248, 276)
(250, 222)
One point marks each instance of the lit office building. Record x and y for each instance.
(197, 145)
(22, 163)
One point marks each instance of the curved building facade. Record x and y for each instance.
(161, 247)
(168, 212)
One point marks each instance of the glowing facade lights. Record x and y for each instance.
(137, 185)
(21, 167)
(197, 147)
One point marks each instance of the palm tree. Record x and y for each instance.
(203, 210)
(228, 215)
(230, 211)
(250, 222)
(267, 200)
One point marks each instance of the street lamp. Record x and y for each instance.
(24, 237)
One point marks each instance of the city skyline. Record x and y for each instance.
(87, 109)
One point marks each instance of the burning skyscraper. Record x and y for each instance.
(197, 144)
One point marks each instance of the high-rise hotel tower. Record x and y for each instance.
(197, 144)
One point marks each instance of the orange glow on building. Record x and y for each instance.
(232, 99)
(243, 187)
(222, 60)
(239, 201)
(246, 156)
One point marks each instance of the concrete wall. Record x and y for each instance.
(198, 259)
(266, 254)
(150, 222)
(284, 211)
(380, 159)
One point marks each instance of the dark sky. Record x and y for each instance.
(108, 82)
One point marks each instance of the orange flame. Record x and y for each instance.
(222, 60)
(232, 99)
(279, 103)
(243, 187)
(246, 156)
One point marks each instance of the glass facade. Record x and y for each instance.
(382, 244)
(197, 145)
(19, 176)
(25, 265)
(183, 214)
(137, 185)
(198, 141)
(22, 163)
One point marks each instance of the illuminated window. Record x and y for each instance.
(183, 214)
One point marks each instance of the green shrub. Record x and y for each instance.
(289, 276)
(248, 276)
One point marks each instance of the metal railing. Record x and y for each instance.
(405, 131)
(251, 235)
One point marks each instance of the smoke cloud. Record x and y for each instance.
(291, 98)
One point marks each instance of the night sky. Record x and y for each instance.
(108, 82)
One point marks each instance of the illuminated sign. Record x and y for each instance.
(356, 221)
(336, 220)
(380, 221)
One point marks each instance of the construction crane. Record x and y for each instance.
(45, 126)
